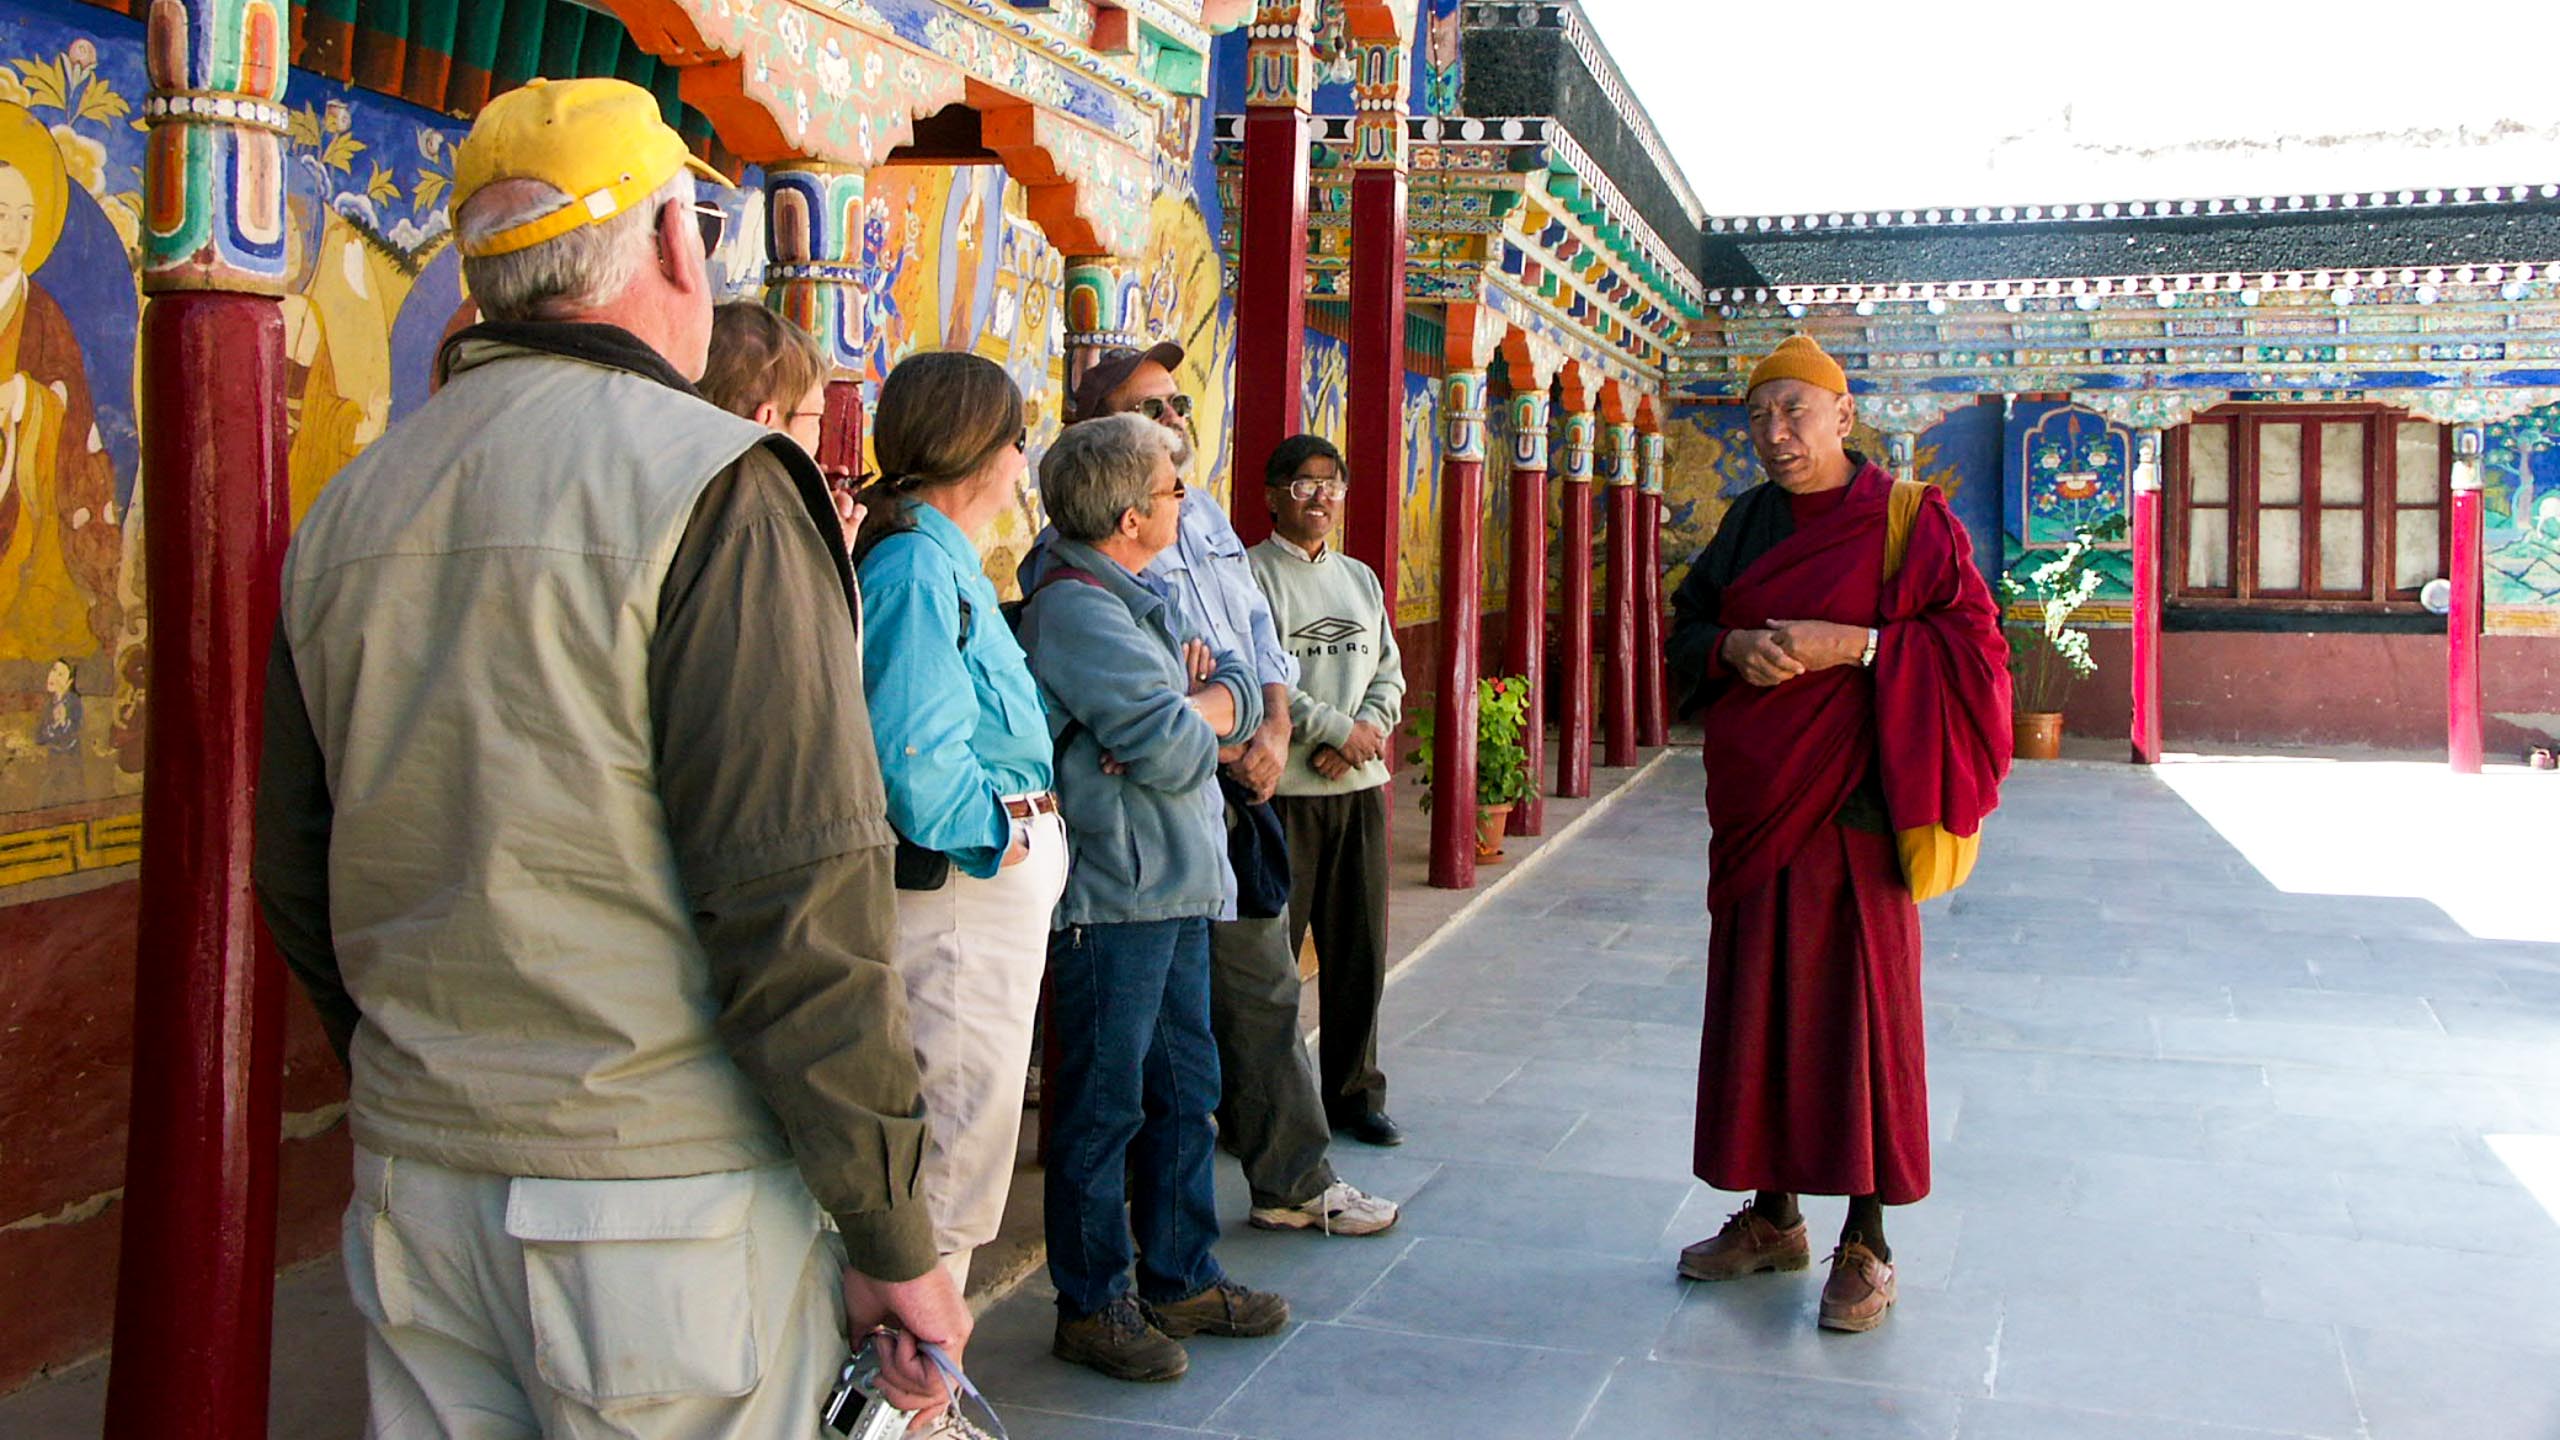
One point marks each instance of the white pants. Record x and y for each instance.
(972, 954)
(704, 1306)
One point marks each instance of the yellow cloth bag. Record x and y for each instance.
(1933, 861)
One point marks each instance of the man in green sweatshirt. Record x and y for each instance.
(1331, 615)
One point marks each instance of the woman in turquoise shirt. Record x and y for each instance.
(965, 755)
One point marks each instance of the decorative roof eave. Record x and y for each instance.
(1514, 14)
(2111, 211)
(2291, 344)
(1528, 144)
(2166, 292)
(1601, 357)
(786, 79)
(1470, 217)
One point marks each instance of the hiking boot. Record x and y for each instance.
(1747, 1245)
(1118, 1341)
(1860, 1289)
(1340, 1209)
(1225, 1308)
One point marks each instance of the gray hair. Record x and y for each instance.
(582, 270)
(1099, 470)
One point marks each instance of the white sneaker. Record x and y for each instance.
(1342, 1209)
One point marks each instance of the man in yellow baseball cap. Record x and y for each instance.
(572, 826)
(592, 165)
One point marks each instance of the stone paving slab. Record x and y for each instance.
(2213, 1161)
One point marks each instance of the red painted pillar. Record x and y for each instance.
(195, 1290)
(1618, 715)
(1651, 720)
(2462, 624)
(2146, 600)
(1271, 263)
(1573, 611)
(1372, 513)
(1524, 642)
(1453, 738)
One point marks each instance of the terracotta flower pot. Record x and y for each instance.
(2038, 734)
(1491, 820)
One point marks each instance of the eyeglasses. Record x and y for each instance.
(714, 223)
(1177, 492)
(1022, 442)
(796, 416)
(1310, 489)
(1155, 406)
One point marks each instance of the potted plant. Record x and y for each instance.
(1502, 757)
(2047, 657)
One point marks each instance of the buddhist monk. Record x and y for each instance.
(1839, 707)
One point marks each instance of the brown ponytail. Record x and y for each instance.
(942, 415)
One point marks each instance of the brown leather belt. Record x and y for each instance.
(1023, 807)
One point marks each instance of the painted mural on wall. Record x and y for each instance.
(2066, 467)
(1418, 528)
(2072, 469)
(373, 285)
(2520, 491)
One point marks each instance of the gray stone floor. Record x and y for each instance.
(2214, 1159)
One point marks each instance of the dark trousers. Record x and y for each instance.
(1136, 1080)
(1268, 1112)
(1338, 891)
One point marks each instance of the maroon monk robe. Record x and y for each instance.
(1812, 1075)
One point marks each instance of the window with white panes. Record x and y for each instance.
(2331, 507)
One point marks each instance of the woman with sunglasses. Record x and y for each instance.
(965, 756)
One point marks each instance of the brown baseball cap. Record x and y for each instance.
(1110, 371)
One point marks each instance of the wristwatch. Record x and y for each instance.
(1867, 661)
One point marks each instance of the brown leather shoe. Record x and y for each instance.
(1859, 1291)
(1225, 1308)
(1747, 1245)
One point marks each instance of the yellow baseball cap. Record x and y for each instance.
(602, 141)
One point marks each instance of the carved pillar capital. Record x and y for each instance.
(214, 166)
(814, 240)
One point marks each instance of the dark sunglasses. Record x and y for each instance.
(1154, 407)
(713, 222)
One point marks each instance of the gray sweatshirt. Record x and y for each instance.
(1332, 618)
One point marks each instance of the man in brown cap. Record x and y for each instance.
(1848, 692)
(1272, 1113)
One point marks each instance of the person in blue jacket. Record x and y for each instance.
(1138, 708)
(965, 758)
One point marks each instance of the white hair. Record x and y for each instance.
(582, 270)
(1099, 470)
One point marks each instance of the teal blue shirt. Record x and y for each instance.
(957, 716)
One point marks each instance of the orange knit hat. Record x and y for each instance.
(1800, 357)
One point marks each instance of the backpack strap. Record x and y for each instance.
(1068, 572)
(1902, 514)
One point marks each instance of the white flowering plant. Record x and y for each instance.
(2046, 658)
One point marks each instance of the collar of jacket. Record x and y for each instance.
(1134, 592)
(610, 346)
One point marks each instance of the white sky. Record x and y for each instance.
(1775, 107)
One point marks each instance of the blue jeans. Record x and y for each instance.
(1136, 1084)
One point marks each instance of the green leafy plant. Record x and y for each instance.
(1502, 755)
(2047, 658)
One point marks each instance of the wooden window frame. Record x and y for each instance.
(2381, 508)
